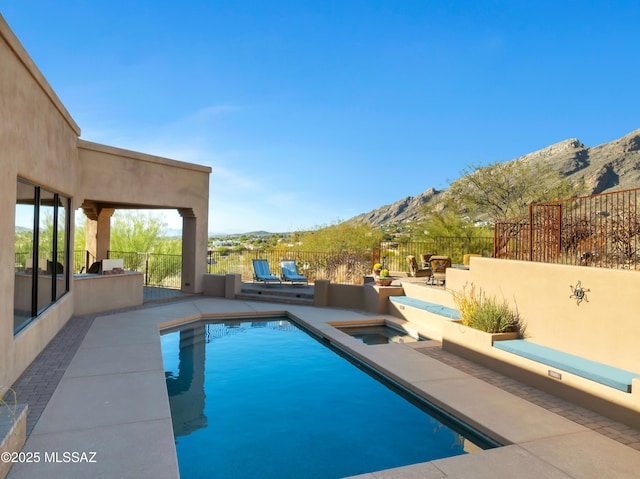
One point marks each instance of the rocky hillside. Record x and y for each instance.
(406, 209)
(607, 167)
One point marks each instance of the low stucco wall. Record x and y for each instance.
(13, 433)
(95, 293)
(346, 296)
(222, 285)
(376, 298)
(603, 327)
(213, 285)
(477, 346)
(368, 297)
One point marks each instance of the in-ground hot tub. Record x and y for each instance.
(380, 333)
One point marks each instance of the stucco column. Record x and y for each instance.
(98, 232)
(189, 248)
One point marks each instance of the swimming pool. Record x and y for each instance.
(262, 398)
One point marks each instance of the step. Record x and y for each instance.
(274, 299)
(301, 292)
(303, 296)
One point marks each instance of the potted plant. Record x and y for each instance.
(384, 279)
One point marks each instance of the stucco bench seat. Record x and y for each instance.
(602, 373)
(427, 306)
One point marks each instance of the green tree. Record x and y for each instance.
(340, 237)
(449, 222)
(133, 231)
(168, 246)
(499, 191)
(80, 236)
(166, 261)
(23, 248)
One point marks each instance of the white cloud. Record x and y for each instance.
(231, 180)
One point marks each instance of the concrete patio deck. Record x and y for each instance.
(111, 399)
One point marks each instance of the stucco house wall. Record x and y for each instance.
(39, 142)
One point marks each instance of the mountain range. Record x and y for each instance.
(608, 167)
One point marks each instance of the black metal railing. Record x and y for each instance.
(82, 261)
(339, 267)
(164, 270)
(161, 270)
(393, 254)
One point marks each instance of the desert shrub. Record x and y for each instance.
(487, 313)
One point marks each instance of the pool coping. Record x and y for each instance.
(112, 400)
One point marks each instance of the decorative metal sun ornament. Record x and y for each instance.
(579, 293)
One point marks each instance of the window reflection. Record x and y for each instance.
(24, 254)
(41, 251)
(62, 232)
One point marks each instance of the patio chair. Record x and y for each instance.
(416, 271)
(262, 273)
(424, 260)
(439, 265)
(290, 273)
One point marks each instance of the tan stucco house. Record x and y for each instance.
(49, 173)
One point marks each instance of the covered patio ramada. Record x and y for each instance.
(112, 179)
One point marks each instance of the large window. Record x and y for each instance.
(41, 251)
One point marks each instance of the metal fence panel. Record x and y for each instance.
(599, 230)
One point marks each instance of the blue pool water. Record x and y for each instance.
(263, 399)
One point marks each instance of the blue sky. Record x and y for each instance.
(311, 112)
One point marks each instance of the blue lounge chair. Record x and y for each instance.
(262, 273)
(290, 273)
